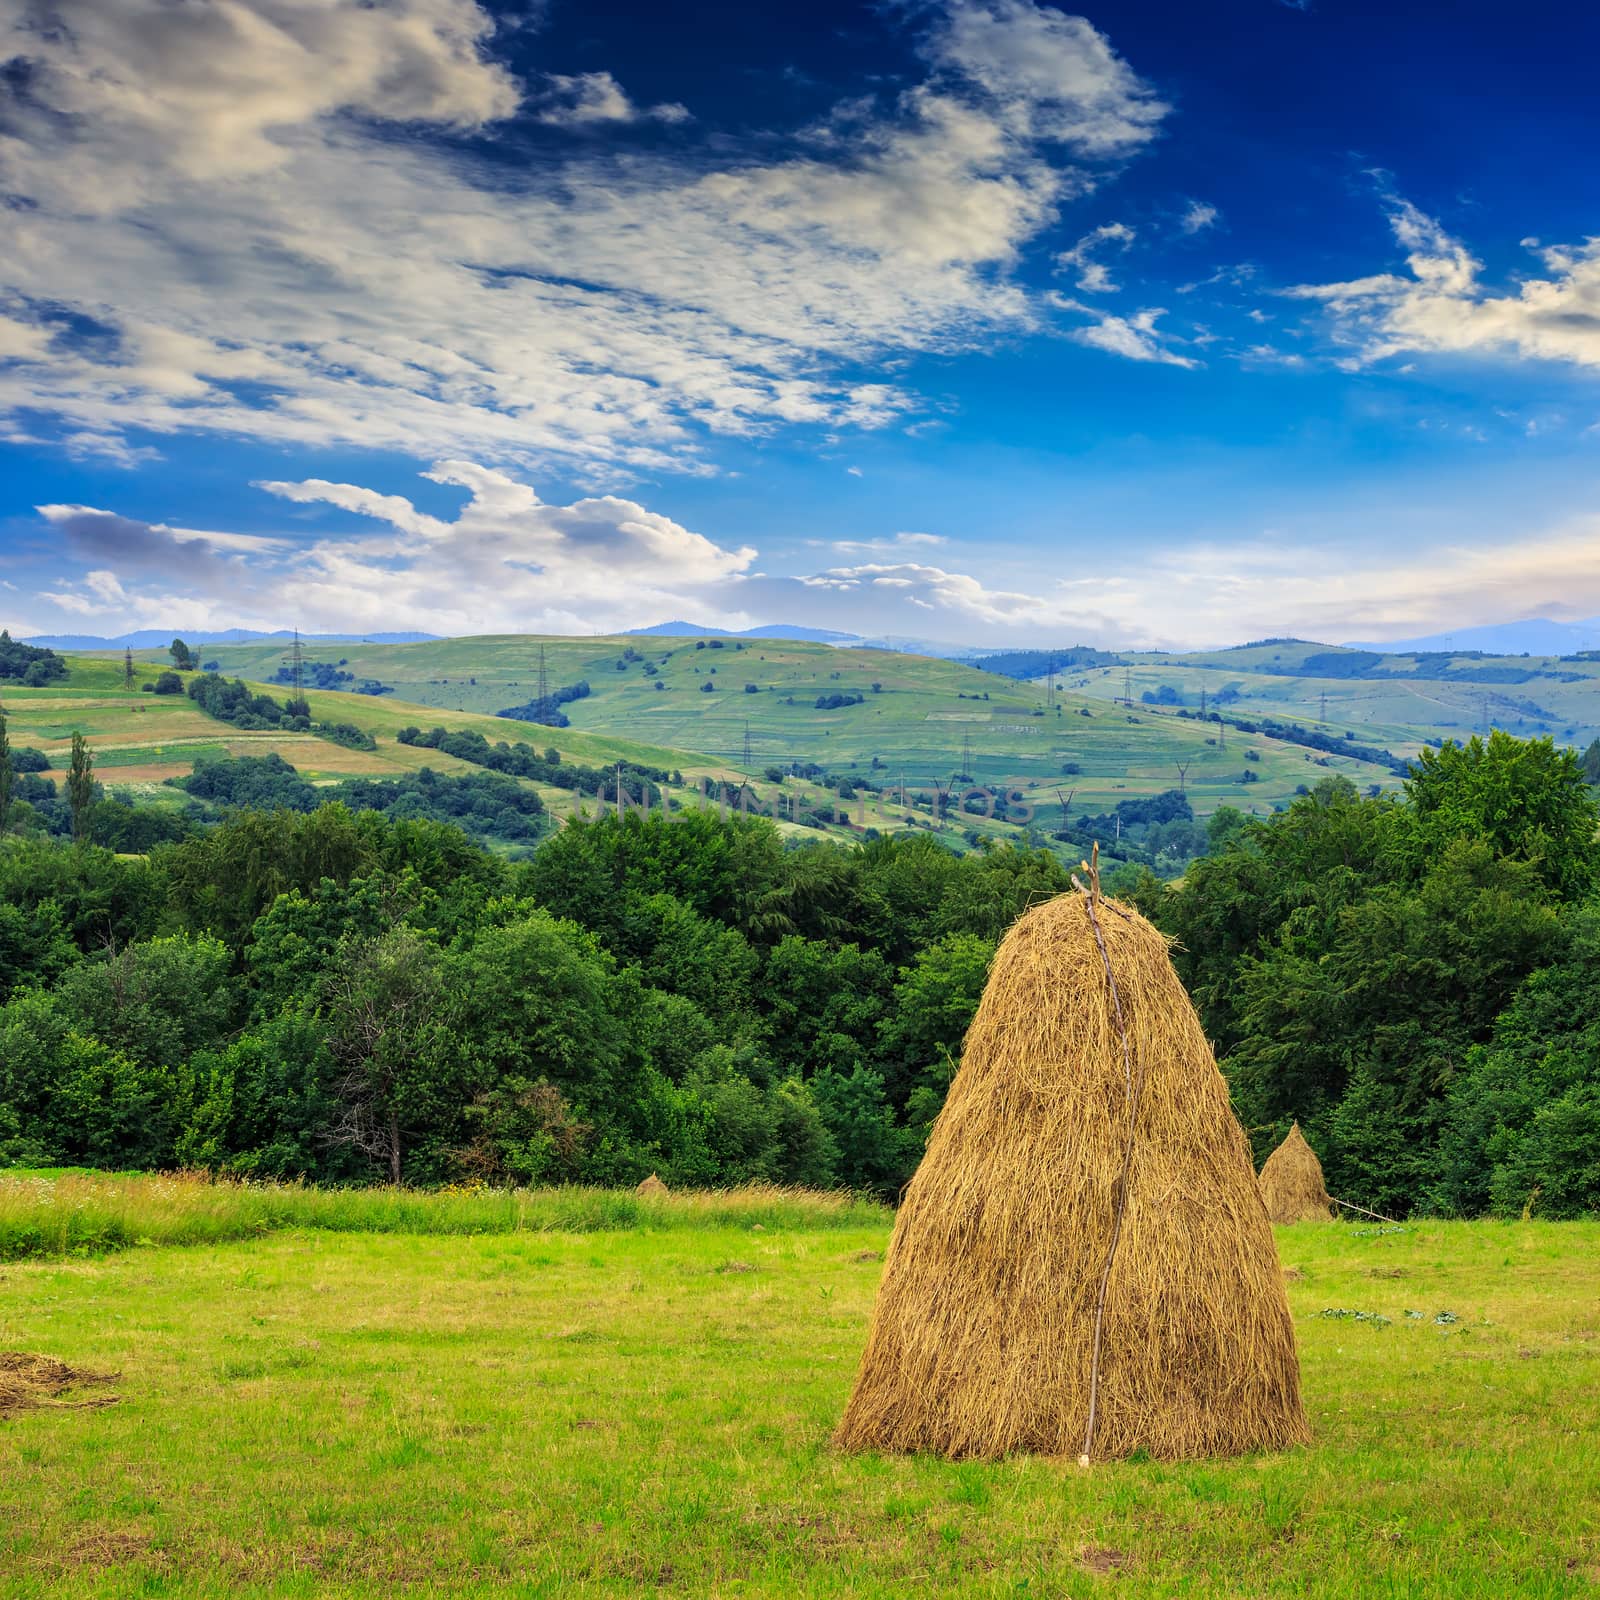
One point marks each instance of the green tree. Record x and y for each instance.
(1512, 1113)
(80, 787)
(6, 777)
(392, 1080)
(1524, 796)
(182, 656)
(934, 1001)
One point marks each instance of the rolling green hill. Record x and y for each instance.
(918, 720)
(1399, 701)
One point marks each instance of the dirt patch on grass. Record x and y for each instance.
(28, 1382)
(737, 1266)
(1293, 1275)
(867, 1255)
(1101, 1560)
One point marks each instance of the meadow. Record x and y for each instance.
(623, 1398)
(925, 720)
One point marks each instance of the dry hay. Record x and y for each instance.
(28, 1382)
(653, 1187)
(1291, 1182)
(1018, 1227)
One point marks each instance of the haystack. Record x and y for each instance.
(28, 1381)
(652, 1186)
(1291, 1182)
(1082, 1265)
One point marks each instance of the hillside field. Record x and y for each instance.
(1405, 701)
(646, 1409)
(926, 718)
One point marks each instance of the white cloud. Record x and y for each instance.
(1048, 75)
(901, 541)
(1197, 217)
(248, 205)
(1094, 277)
(592, 98)
(1440, 304)
(1134, 337)
(507, 562)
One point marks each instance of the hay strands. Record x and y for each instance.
(31, 1382)
(1091, 895)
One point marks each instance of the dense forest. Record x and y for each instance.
(353, 991)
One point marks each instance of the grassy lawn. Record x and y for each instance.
(645, 1408)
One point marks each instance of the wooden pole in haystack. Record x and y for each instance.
(1082, 1265)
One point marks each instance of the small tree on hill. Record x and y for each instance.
(182, 656)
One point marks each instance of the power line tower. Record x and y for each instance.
(1322, 711)
(747, 747)
(297, 658)
(1222, 732)
(1127, 686)
(1202, 702)
(544, 686)
(1183, 777)
(1050, 686)
(127, 667)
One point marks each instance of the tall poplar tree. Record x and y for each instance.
(80, 787)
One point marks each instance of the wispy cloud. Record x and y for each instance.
(1135, 337)
(306, 243)
(1441, 305)
(591, 99)
(1197, 217)
(1093, 276)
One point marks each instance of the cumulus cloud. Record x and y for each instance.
(591, 98)
(1094, 277)
(260, 218)
(1441, 305)
(508, 562)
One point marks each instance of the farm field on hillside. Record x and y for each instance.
(927, 719)
(1399, 710)
(648, 1411)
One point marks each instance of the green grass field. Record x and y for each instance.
(646, 1408)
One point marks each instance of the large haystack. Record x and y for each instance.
(1018, 1238)
(1292, 1184)
(652, 1188)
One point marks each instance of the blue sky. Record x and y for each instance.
(974, 320)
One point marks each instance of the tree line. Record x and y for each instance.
(315, 988)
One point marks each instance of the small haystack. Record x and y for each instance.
(652, 1187)
(1291, 1182)
(1082, 1265)
(30, 1381)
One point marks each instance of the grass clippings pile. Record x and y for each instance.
(1292, 1184)
(1087, 1173)
(651, 1187)
(29, 1381)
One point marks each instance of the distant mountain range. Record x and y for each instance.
(157, 638)
(776, 630)
(1538, 636)
(902, 643)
